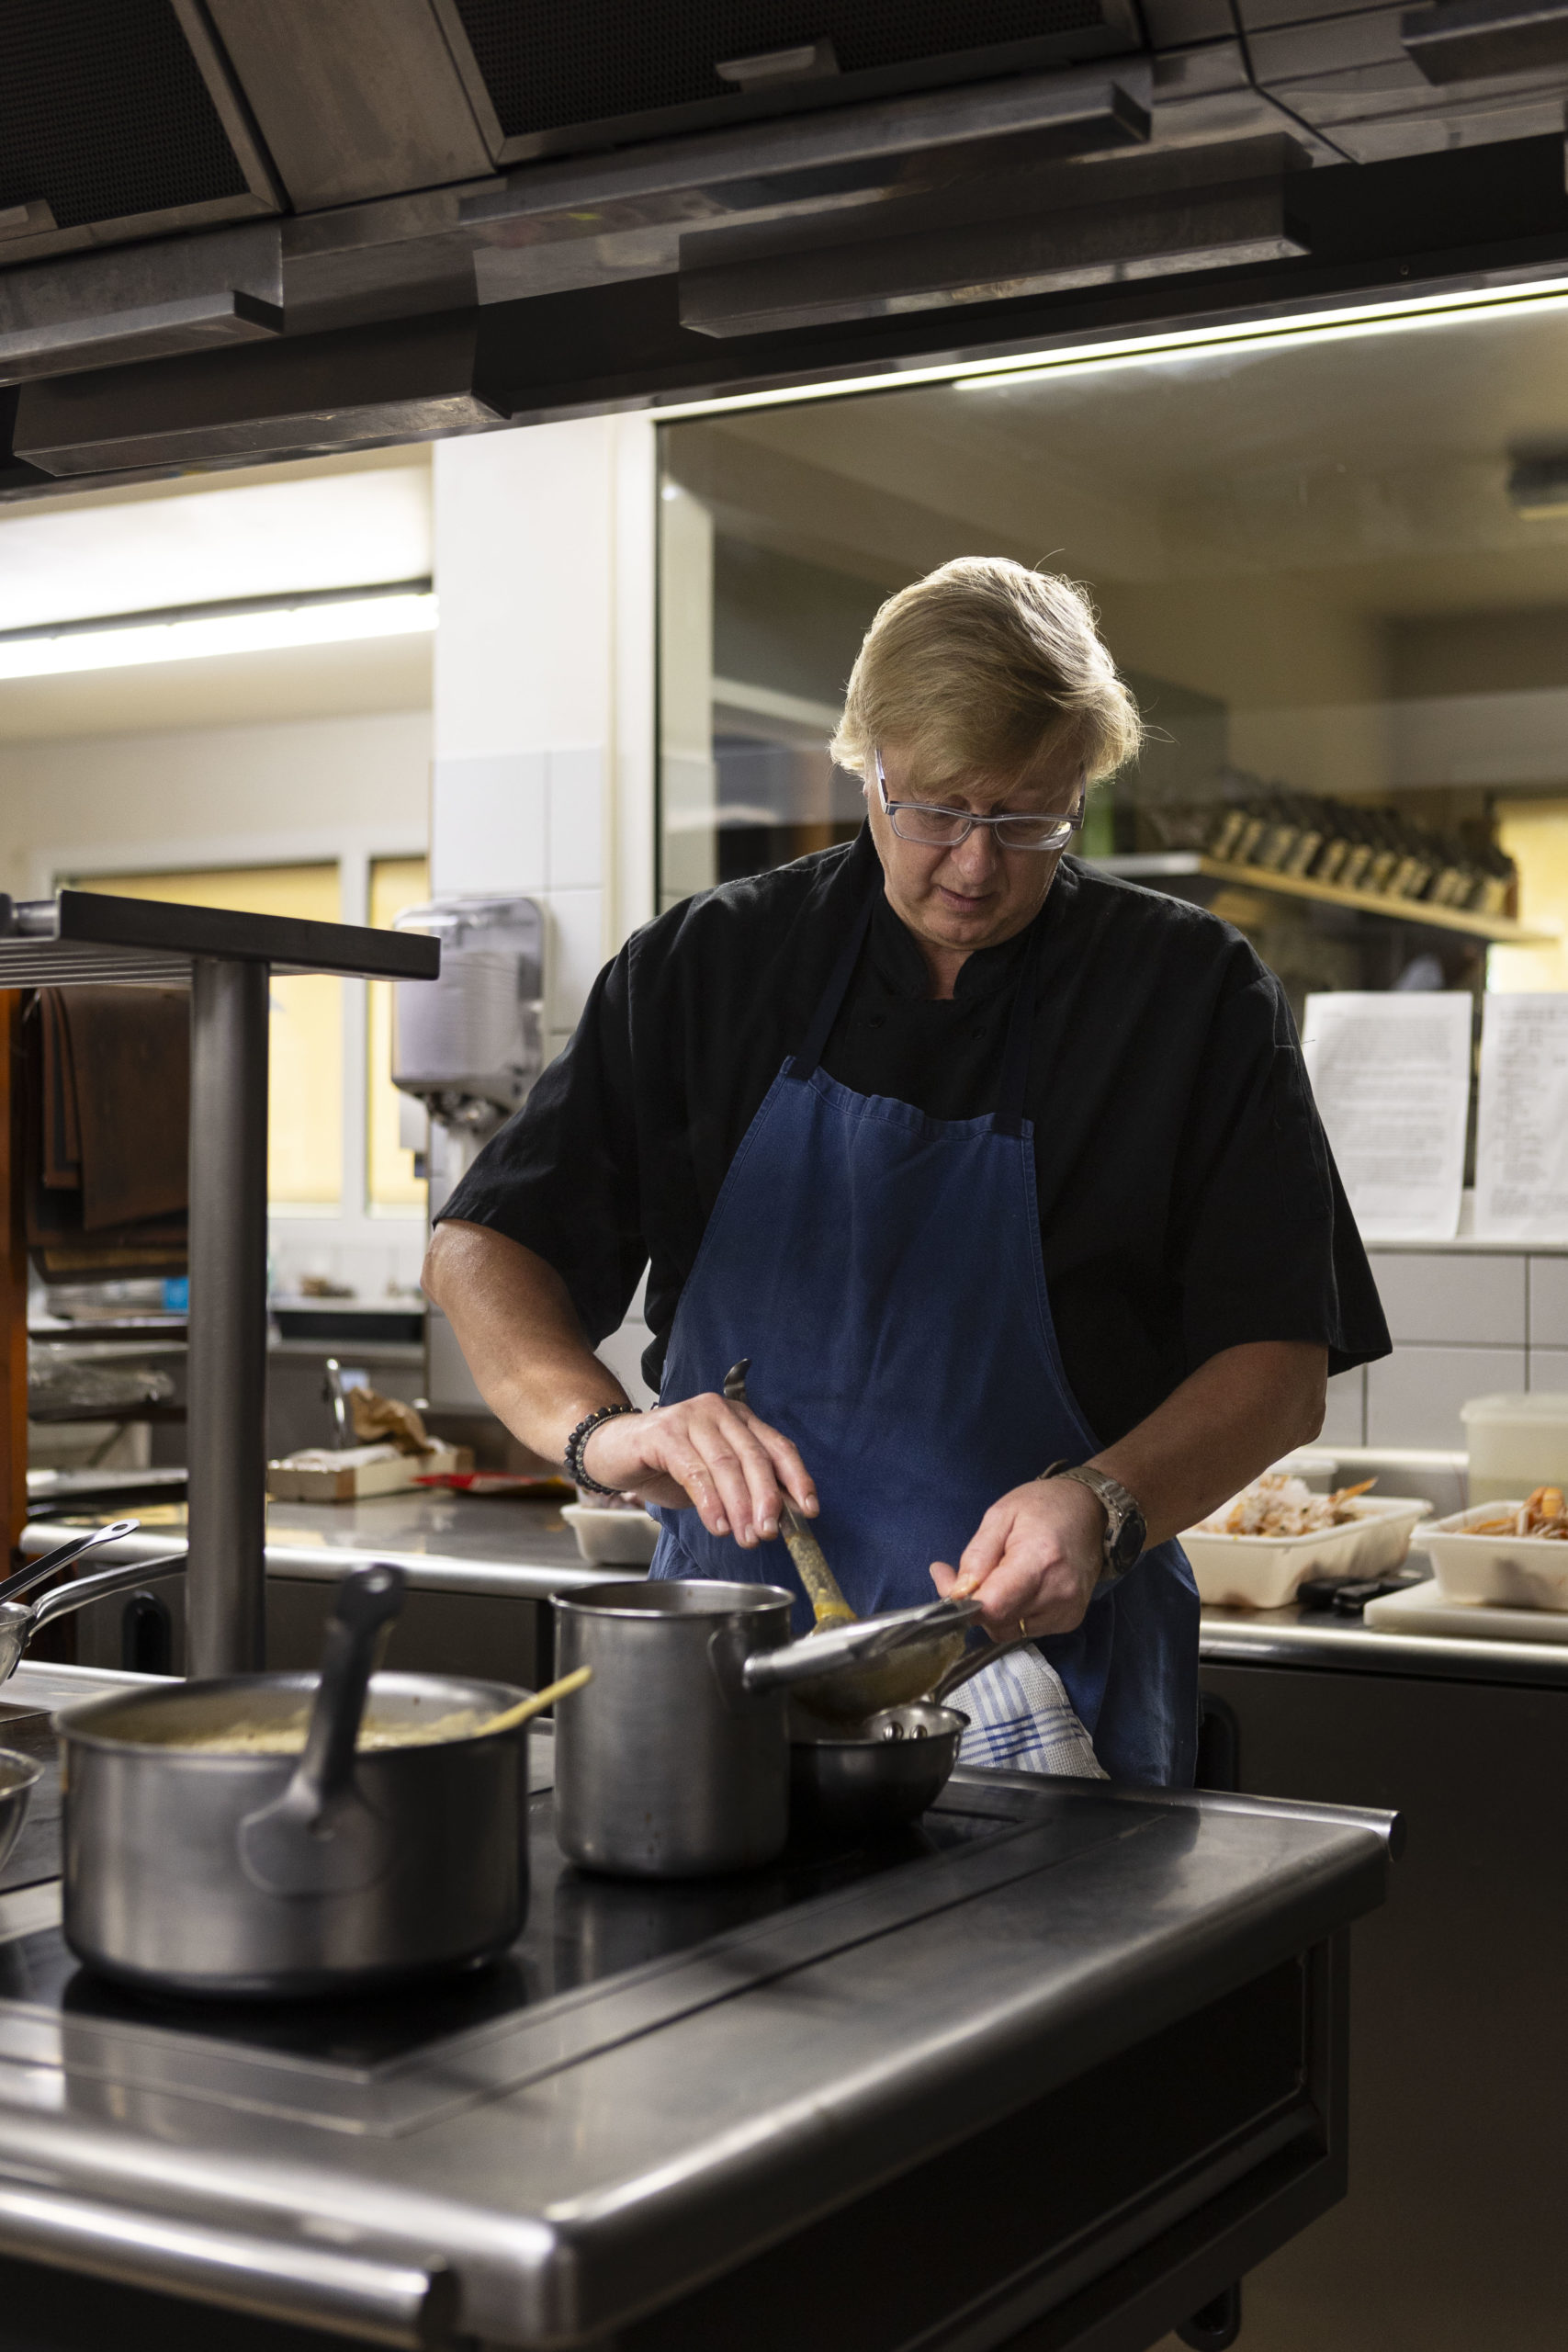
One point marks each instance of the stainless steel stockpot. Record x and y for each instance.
(667, 1766)
(165, 1891)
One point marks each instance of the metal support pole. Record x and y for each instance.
(225, 1595)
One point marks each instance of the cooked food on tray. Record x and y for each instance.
(1543, 1513)
(1277, 1504)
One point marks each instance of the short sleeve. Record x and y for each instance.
(562, 1176)
(1264, 1246)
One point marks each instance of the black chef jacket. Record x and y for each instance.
(1188, 1199)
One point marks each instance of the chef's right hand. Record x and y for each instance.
(705, 1453)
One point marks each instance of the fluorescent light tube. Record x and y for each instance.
(125, 645)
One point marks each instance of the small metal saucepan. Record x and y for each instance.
(19, 1620)
(264, 1871)
(676, 1763)
(864, 1783)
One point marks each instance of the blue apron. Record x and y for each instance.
(883, 1270)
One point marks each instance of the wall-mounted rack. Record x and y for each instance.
(1160, 867)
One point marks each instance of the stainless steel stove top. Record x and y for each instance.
(599, 1960)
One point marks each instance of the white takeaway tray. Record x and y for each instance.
(1266, 1571)
(1422, 1609)
(1515, 1571)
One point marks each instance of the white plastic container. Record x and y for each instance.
(1266, 1571)
(1520, 1571)
(1517, 1443)
(612, 1538)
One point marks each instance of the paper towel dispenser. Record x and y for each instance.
(470, 1043)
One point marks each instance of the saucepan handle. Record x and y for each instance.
(82, 1590)
(37, 1571)
(858, 1645)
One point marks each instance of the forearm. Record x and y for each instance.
(1228, 1421)
(513, 1319)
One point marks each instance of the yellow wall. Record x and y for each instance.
(1535, 833)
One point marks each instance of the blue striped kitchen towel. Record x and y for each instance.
(1020, 1717)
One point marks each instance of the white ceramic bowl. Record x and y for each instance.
(613, 1539)
(1266, 1571)
(1523, 1571)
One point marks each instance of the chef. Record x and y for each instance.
(1003, 1172)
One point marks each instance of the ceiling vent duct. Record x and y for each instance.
(1470, 40)
(302, 396)
(100, 309)
(1085, 225)
(563, 74)
(356, 100)
(117, 120)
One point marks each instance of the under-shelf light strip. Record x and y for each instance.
(195, 637)
(1392, 315)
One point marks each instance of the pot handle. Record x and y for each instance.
(868, 1639)
(13, 1587)
(320, 1837)
(82, 1590)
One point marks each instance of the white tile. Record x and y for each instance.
(1345, 1419)
(1548, 1370)
(576, 819)
(1414, 1397)
(1452, 1298)
(577, 952)
(487, 827)
(1549, 1302)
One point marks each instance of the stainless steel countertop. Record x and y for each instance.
(442, 1541)
(456, 1543)
(573, 2163)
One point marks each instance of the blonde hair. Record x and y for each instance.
(983, 667)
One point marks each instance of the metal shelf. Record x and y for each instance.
(141, 1409)
(80, 937)
(227, 960)
(1158, 865)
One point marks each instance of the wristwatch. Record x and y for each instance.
(1125, 1531)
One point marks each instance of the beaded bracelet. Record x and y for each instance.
(578, 1439)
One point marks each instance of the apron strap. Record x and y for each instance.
(1020, 1036)
(805, 1063)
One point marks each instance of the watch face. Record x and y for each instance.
(1128, 1542)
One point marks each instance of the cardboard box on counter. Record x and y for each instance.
(320, 1474)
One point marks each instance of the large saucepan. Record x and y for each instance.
(677, 1763)
(200, 1869)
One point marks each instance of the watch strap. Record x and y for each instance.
(1119, 1504)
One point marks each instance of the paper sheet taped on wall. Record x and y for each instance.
(1521, 1139)
(1392, 1078)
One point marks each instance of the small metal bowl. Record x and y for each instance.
(864, 1783)
(19, 1775)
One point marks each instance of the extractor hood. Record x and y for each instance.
(231, 229)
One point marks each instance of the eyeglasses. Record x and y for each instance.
(912, 820)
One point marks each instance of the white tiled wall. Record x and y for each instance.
(1465, 1323)
(1414, 1397)
(531, 821)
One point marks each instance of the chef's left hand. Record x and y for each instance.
(1035, 1561)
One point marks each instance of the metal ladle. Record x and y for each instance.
(921, 1645)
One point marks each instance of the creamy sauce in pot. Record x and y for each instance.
(287, 1737)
